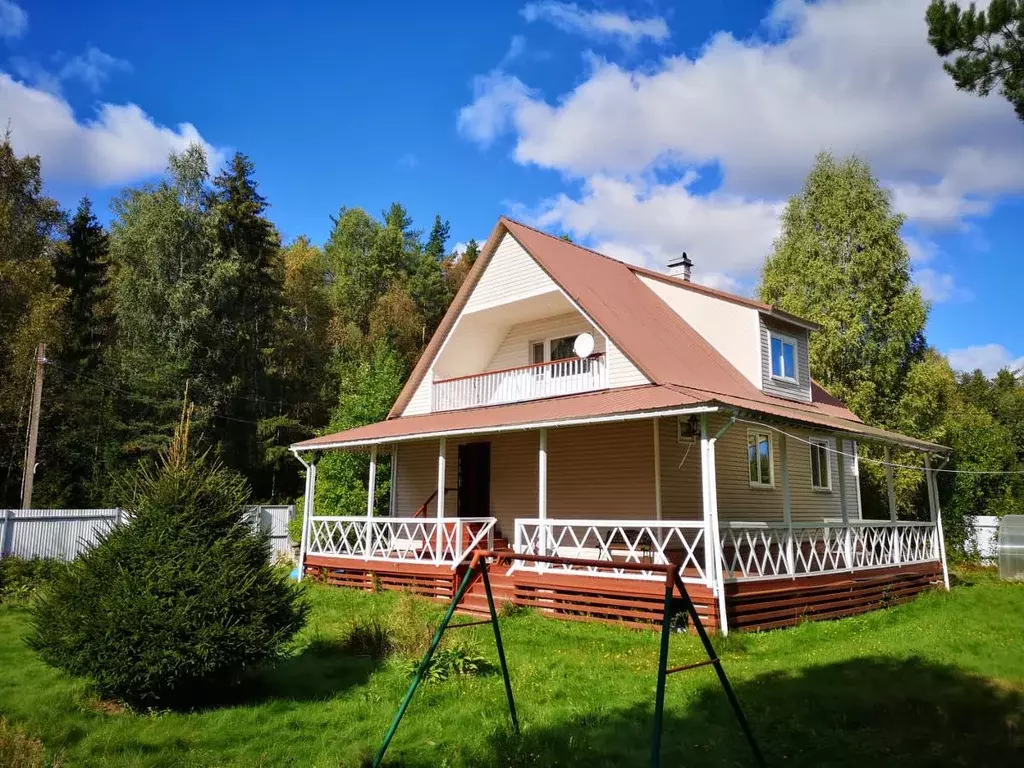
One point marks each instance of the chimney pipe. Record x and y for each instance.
(681, 267)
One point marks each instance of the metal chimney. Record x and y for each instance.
(681, 267)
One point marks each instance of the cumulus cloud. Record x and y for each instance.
(598, 25)
(938, 287)
(988, 358)
(849, 77)
(121, 143)
(13, 20)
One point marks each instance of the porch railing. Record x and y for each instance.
(762, 550)
(533, 382)
(628, 541)
(401, 539)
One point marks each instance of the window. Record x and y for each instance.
(759, 459)
(821, 471)
(562, 349)
(552, 350)
(783, 352)
(537, 352)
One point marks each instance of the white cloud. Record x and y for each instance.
(598, 25)
(938, 287)
(93, 68)
(13, 20)
(120, 144)
(851, 77)
(988, 358)
(516, 48)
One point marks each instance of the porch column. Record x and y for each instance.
(787, 508)
(889, 485)
(711, 518)
(439, 533)
(847, 538)
(307, 511)
(393, 503)
(371, 493)
(936, 515)
(542, 493)
(710, 552)
(656, 421)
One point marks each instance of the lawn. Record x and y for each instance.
(937, 682)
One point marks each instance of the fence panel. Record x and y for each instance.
(62, 534)
(274, 520)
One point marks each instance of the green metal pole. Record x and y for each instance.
(501, 648)
(421, 669)
(659, 697)
(710, 649)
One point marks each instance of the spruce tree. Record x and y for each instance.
(179, 602)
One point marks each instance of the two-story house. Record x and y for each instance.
(573, 405)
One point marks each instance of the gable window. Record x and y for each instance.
(783, 354)
(821, 470)
(553, 350)
(759, 459)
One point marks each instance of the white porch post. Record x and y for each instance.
(848, 539)
(710, 553)
(897, 539)
(392, 505)
(936, 515)
(307, 511)
(439, 533)
(711, 519)
(371, 493)
(787, 508)
(656, 421)
(542, 493)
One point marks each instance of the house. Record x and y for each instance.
(573, 405)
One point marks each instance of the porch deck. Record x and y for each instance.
(767, 575)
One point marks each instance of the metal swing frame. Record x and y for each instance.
(673, 582)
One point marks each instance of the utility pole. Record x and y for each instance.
(33, 430)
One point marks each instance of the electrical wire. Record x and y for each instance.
(881, 461)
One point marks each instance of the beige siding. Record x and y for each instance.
(514, 471)
(511, 275)
(602, 471)
(420, 401)
(514, 351)
(417, 476)
(681, 494)
(621, 371)
(730, 328)
(802, 389)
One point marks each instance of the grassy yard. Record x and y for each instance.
(937, 682)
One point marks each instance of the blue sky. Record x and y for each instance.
(642, 128)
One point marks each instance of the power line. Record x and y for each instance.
(881, 461)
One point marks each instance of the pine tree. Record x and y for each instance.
(472, 252)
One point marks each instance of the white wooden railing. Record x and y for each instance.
(400, 539)
(627, 541)
(764, 550)
(533, 382)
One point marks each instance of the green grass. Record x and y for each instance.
(937, 682)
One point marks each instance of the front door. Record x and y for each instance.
(475, 480)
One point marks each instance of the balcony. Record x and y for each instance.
(513, 385)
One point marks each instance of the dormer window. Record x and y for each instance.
(783, 352)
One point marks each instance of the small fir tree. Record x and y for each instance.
(178, 603)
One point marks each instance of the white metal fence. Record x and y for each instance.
(63, 534)
(559, 377)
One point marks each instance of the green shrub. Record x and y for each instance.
(459, 659)
(370, 637)
(20, 577)
(179, 603)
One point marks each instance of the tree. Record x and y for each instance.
(437, 242)
(988, 47)
(472, 252)
(840, 261)
(81, 270)
(178, 603)
(30, 300)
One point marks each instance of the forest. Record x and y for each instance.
(190, 291)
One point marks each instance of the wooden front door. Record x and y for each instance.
(475, 480)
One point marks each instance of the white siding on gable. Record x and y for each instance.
(730, 328)
(512, 274)
(514, 351)
(420, 402)
(800, 390)
(621, 371)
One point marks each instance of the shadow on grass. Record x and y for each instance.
(868, 712)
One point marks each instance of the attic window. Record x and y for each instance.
(783, 354)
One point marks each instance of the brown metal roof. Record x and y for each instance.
(682, 366)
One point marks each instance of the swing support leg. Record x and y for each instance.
(501, 648)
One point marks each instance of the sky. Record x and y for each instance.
(642, 129)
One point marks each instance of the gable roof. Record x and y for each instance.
(683, 368)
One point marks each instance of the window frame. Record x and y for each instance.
(760, 484)
(793, 342)
(546, 341)
(825, 446)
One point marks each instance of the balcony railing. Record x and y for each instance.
(512, 385)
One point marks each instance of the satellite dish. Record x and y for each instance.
(584, 345)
